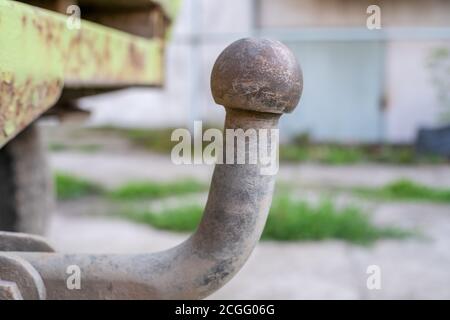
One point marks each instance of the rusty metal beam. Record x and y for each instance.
(148, 22)
(41, 55)
(149, 19)
(170, 7)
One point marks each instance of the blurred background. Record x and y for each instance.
(364, 177)
(361, 85)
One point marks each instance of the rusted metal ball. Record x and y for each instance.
(257, 75)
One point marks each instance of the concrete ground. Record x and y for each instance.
(410, 269)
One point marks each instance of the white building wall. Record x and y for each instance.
(186, 97)
(411, 97)
(352, 13)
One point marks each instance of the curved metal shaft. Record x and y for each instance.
(234, 217)
(257, 80)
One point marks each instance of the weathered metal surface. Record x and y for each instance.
(68, 111)
(234, 217)
(40, 55)
(21, 272)
(145, 18)
(26, 184)
(147, 23)
(13, 241)
(260, 75)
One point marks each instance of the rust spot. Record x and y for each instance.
(38, 26)
(49, 37)
(21, 102)
(24, 21)
(49, 33)
(136, 58)
(106, 50)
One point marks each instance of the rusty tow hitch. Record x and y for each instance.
(256, 80)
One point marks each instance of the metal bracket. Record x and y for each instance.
(19, 280)
(12, 241)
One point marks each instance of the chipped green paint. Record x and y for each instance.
(40, 55)
(9, 127)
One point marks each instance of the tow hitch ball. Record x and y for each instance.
(256, 80)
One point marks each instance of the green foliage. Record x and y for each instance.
(328, 154)
(85, 148)
(156, 140)
(70, 187)
(56, 147)
(152, 139)
(149, 190)
(334, 154)
(299, 150)
(296, 220)
(407, 190)
(288, 221)
(180, 219)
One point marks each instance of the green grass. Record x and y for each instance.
(181, 219)
(57, 147)
(152, 139)
(297, 220)
(71, 187)
(407, 190)
(85, 148)
(288, 221)
(301, 149)
(321, 153)
(157, 139)
(150, 190)
(341, 154)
